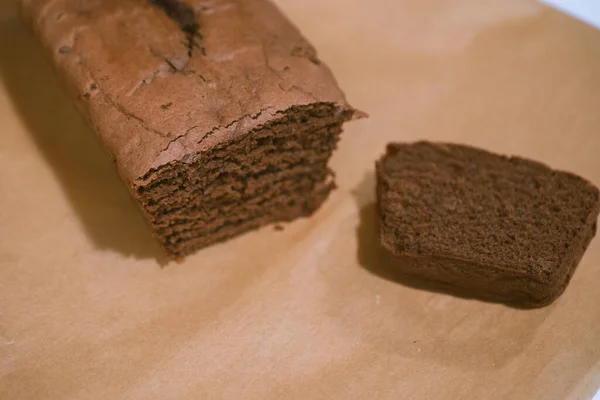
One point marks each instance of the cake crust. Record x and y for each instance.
(127, 65)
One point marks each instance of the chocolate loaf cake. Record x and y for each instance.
(219, 115)
(483, 225)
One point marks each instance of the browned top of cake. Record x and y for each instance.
(456, 201)
(160, 79)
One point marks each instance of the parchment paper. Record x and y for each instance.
(90, 309)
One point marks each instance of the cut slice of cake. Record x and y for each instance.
(483, 225)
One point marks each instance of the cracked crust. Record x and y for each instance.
(127, 59)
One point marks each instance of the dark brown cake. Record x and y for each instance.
(498, 228)
(219, 115)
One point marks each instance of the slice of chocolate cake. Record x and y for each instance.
(498, 228)
(219, 115)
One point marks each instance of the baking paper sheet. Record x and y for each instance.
(90, 309)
